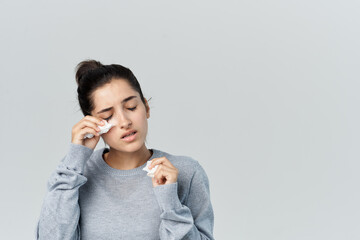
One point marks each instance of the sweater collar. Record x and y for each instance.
(118, 172)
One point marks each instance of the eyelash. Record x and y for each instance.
(131, 109)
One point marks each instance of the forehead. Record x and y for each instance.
(112, 93)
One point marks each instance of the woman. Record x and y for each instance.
(105, 193)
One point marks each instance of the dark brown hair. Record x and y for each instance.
(92, 74)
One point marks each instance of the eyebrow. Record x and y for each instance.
(122, 102)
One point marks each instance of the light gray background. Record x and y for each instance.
(264, 94)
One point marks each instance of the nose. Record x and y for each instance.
(121, 120)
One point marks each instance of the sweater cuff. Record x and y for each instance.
(167, 196)
(77, 156)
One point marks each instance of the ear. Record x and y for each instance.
(147, 109)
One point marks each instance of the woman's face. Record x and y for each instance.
(120, 105)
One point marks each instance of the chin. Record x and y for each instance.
(126, 147)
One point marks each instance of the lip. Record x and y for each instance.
(128, 132)
(130, 139)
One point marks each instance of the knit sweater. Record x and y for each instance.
(87, 199)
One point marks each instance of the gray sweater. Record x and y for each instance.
(87, 199)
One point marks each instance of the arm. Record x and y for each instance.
(195, 221)
(60, 212)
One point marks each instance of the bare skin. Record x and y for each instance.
(125, 116)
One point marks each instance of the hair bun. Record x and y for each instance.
(84, 67)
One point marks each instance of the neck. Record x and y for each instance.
(127, 160)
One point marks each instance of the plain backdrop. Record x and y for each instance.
(264, 94)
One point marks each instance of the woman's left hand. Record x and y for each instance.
(165, 173)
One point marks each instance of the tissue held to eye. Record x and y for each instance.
(103, 129)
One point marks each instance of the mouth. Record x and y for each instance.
(129, 135)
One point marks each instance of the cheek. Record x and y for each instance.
(112, 122)
(109, 134)
(139, 120)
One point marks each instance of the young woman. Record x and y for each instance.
(105, 193)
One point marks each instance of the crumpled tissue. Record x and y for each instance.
(103, 129)
(150, 171)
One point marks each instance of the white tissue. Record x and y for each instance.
(150, 171)
(103, 129)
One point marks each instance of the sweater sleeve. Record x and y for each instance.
(60, 211)
(193, 221)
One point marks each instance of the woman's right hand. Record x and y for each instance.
(87, 124)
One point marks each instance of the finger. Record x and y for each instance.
(158, 173)
(89, 118)
(164, 172)
(157, 182)
(162, 160)
(87, 130)
(95, 120)
(90, 121)
(86, 123)
(154, 181)
(166, 180)
(162, 180)
(91, 124)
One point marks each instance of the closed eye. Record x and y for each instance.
(131, 109)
